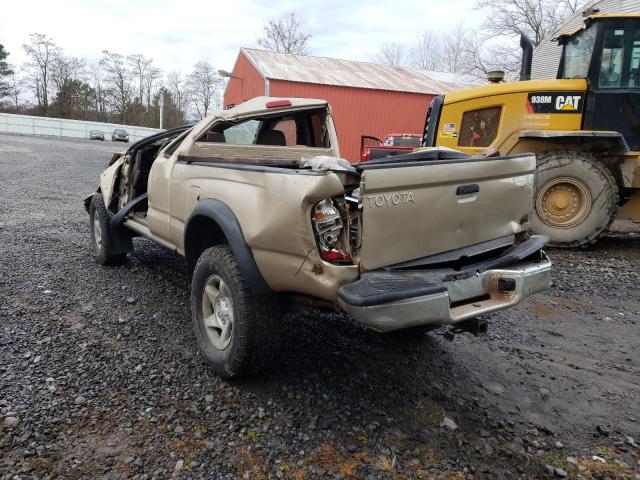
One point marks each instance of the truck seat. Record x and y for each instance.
(272, 137)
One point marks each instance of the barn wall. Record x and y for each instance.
(249, 83)
(358, 112)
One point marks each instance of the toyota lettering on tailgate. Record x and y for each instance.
(389, 199)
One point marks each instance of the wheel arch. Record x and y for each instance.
(604, 146)
(211, 223)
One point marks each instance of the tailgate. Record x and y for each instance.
(412, 209)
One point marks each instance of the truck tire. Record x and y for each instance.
(237, 330)
(576, 198)
(99, 224)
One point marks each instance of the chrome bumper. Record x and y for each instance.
(455, 300)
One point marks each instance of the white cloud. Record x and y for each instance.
(177, 34)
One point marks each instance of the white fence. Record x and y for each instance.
(59, 127)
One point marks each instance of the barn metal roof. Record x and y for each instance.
(349, 73)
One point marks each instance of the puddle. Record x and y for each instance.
(543, 310)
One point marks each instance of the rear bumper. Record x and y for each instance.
(444, 302)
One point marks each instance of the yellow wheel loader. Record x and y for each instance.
(584, 128)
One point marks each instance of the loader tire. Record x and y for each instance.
(576, 198)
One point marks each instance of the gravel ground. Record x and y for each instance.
(100, 377)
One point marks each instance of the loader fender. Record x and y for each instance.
(537, 141)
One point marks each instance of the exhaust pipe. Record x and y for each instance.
(527, 58)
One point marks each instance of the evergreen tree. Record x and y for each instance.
(5, 72)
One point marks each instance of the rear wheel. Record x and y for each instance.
(237, 330)
(576, 198)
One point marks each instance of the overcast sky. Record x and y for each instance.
(178, 33)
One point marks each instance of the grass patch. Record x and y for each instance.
(252, 465)
(385, 463)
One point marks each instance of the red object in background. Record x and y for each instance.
(394, 144)
(356, 111)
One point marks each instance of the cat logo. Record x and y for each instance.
(554, 102)
(570, 102)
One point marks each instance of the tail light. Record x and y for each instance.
(329, 228)
(279, 103)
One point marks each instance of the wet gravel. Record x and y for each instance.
(100, 377)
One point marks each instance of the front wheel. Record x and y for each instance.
(576, 198)
(237, 330)
(99, 223)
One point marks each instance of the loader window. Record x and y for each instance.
(634, 70)
(479, 127)
(612, 60)
(577, 54)
(620, 60)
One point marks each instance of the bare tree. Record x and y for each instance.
(285, 34)
(97, 82)
(177, 87)
(139, 67)
(67, 77)
(41, 51)
(533, 18)
(392, 53)
(427, 52)
(151, 84)
(482, 55)
(455, 49)
(119, 80)
(14, 90)
(63, 69)
(204, 87)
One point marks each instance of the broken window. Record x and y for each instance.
(303, 129)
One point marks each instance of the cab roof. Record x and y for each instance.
(270, 104)
(595, 17)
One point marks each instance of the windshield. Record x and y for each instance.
(120, 132)
(577, 54)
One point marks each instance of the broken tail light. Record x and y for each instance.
(328, 226)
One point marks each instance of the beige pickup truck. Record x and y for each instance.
(258, 201)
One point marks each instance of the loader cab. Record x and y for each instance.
(606, 52)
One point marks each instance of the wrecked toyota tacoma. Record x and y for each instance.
(258, 201)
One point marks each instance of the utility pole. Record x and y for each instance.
(161, 105)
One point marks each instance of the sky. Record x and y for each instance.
(179, 33)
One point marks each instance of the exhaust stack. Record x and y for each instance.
(527, 58)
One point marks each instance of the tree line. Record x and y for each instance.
(128, 88)
(117, 88)
(495, 46)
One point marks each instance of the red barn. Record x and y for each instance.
(366, 98)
